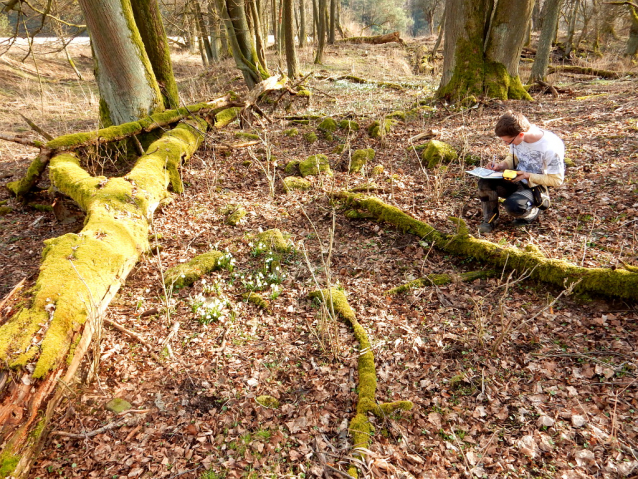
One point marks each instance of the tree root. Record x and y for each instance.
(440, 280)
(615, 283)
(360, 426)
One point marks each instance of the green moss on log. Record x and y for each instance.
(8, 462)
(21, 187)
(5, 210)
(43, 208)
(328, 125)
(360, 158)
(290, 132)
(226, 117)
(186, 274)
(397, 115)
(438, 152)
(614, 283)
(246, 136)
(257, 299)
(360, 426)
(315, 164)
(377, 170)
(292, 183)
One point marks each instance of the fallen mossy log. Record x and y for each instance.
(359, 80)
(588, 71)
(45, 342)
(75, 141)
(440, 280)
(360, 426)
(375, 40)
(614, 283)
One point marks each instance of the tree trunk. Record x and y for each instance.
(126, 81)
(214, 30)
(79, 275)
(321, 31)
(482, 49)
(259, 40)
(302, 24)
(315, 21)
(333, 16)
(571, 30)
(541, 60)
(203, 33)
(289, 35)
(440, 35)
(537, 20)
(273, 16)
(242, 47)
(632, 43)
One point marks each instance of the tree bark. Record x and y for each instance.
(203, 33)
(289, 36)
(541, 60)
(483, 43)
(79, 276)
(149, 23)
(321, 31)
(128, 86)
(259, 40)
(333, 16)
(302, 24)
(375, 40)
(632, 42)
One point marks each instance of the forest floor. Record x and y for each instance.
(508, 377)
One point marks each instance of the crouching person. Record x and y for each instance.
(537, 157)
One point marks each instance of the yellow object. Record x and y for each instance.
(510, 174)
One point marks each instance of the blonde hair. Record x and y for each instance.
(511, 124)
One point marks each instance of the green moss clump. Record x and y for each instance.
(274, 240)
(295, 183)
(376, 130)
(237, 216)
(8, 462)
(397, 115)
(339, 149)
(187, 273)
(377, 170)
(304, 92)
(257, 300)
(349, 125)
(291, 132)
(300, 122)
(246, 136)
(292, 167)
(472, 160)
(314, 165)
(21, 187)
(4, 202)
(328, 125)
(118, 405)
(267, 401)
(310, 136)
(360, 158)
(5, 210)
(227, 116)
(569, 162)
(438, 152)
(440, 280)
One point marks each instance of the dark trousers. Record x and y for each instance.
(519, 200)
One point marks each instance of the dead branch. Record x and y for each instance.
(588, 71)
(36, 128)
(15, 289)
(20, 140)
(129, 421)
(375, 40)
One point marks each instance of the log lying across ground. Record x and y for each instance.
(614, 283)
(76, 141)
(375, 40)
(588, 71)
(360, 426)
(80, 273)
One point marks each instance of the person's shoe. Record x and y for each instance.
(528, 219)
(485, 227)
(521, 222)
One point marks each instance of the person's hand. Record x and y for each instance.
(494, 166)
(522, 175)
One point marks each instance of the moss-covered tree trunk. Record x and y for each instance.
(632, 43)
(545, 41)
(128, 87)
(483, 42)
(149, 23)
(241, 44)
(43, 343)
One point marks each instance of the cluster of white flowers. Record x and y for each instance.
(255, 282)
(258, 249)
(207, 310)
(227, 261)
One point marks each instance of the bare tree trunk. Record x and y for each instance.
(291, 55)
(273, 14)
(536, 16)
(204, 41)
(543, 51)
(315, 21)
(302, 24)
(441, 31)
(632, 43)
(571, 30)
(257, 29)
(213, 22)
(321, 31)
(333, 15)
